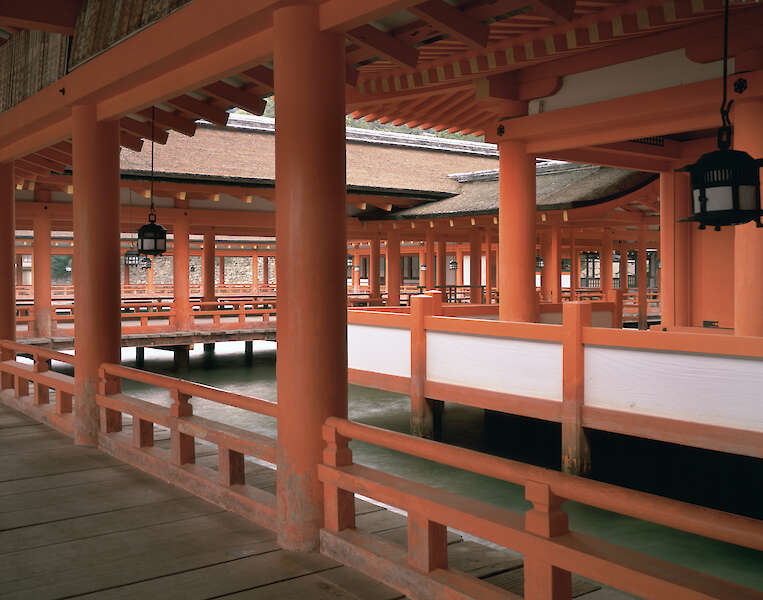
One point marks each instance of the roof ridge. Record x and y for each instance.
(370, 136)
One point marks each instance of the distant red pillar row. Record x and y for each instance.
(642, 277)
(97, 294)
(41, 265)
(7, 252)
(208, 267)
(605, 262)
(516, 233)
(393, 268)
(748, 239)
(311, 254)
(374, 270)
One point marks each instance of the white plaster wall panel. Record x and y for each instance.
(537, 280)
(638, 76)
(601, 318)
(379, 349)
(523, 367)
(566, 280)
(467, 271)
(716, 390)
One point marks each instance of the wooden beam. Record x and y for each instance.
(239, 97)
(144, 129)
(454, 22)
(57, 155)
(31, 167)
(260, 75)
(130, 141)
(203, 110)
(56, 16)
(559, 11)
(170, 120)
(385, 45)
(46, 163)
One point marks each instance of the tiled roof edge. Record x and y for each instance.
(369, 136)
(542, 167)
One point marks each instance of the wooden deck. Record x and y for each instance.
(76, 523)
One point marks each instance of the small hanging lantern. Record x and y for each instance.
(132, 258)
(539, 264)
(423, 267)
(453, 264)
(145, 263)
(152, 237)
(349, 261)
(725, 183)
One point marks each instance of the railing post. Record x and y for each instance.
(6, 379)
(427, 543)
(41, 392)
(111, 420)
(616, 297)
(230, 467)
(182, 445)
(338, 504)
(544, 581)
(422, 419)
(576, 453)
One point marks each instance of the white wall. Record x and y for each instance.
(379, 349)
(467, 270)
(523, 367)
(716, 390)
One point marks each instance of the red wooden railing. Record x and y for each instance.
(551, 551)
(227, 486)
(19, 376)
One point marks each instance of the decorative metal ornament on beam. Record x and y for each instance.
(725, 183)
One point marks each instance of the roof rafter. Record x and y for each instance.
(204, 110)
(386, 45)
(454, 22)
(239, 97)
(170, 120)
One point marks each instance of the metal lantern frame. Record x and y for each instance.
(539, 264)
(725, 183)
(132, 258)
(453, 264)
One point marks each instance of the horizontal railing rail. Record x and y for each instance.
(17, 377)
(551, 551)
(227, 486)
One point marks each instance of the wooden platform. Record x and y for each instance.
(75, 523)
(171, 338)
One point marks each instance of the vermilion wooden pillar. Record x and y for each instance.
(96, 261)
(574, 267)
(605, 262)
(41, 264)
(7, 252)
(429, 276)
(374, 271)
(553, 264)
(459, 265)
(355, 271)
(19, 269)
(516, 233)
(180, 272)
(748, 239)
(208, 267)
(442, 264)
(624, 268)
(668, 220)
(311, 252)
(393, 268)
(475, 267)
(255, 274)
(545, 282)
(489, 283)
(423, 266)
(642, 278)
(683, 233)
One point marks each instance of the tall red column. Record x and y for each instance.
(516, 233)
(668, 220)
(96, 261)
(683, 233)
(624, 268)
(311, 253)
(489, 283)
(642, 277)
(41, 263)
(374, 271)
(208, 267)
(442, 264)
(545, 288)
(7, 252)
(748, 239)
(355, 271)
(574, 266)
(475, 267)
(605, 262)
(393, 268)
(553, 264)
(429, 276)
(180, 270)
(423, 266)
